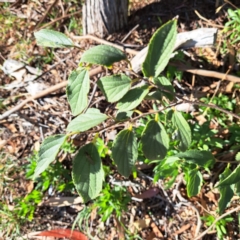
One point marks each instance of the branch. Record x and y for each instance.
(46, 13)
(100, 69)
(208, 73)
(120, 124)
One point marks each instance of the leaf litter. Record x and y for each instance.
(161, 212)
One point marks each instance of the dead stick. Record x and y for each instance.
(44, 93)
(46, 13)
(207, 73)
(60, 18)
(102, 41)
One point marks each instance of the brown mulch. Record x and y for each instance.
(162, 217)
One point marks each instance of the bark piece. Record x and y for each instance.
(201, 37)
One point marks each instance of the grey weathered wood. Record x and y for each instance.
(201, 37)
(103, 17)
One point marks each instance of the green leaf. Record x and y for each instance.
(133, 98)
(160, 49)
(201, 158)
(183, 130)
(77, 90)
(237, 157)
(194, 182)
(87, 173)
(154, 95)
(166, 87)
(232, 178)
(226, 192)
(125, 152)
(236, 40)
(155, 141)
(48, 152)
(54, 39)
(123, 115)
(87, 120)
(103, 55)
(114, 87)
(171, 160)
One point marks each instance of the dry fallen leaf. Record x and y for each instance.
(212, 197)
(156, 230)
(120, 230)
(11, 127)
(151, 192)
(201, 119)
(142, 223)
(29, 186)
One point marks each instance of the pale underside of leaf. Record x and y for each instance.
(77, 91)
(114, 87)
(183, 129)
(194, 183)
(50, 38)
(48, 152)
(87, 120)
(103, 55)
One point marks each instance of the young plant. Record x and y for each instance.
(232, 27)
(220, 225)
(169, 148)
(87, 170)
(112, 202)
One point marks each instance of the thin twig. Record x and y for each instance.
(46, 13)
(157, 111)
(207, 21)
(214, 107)
(60, 18)
(52, 67)
(231, 4)
(216, 220)
(114, 125)
(130, 32)
(102, 41)
(215, 92)
(192, 86)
